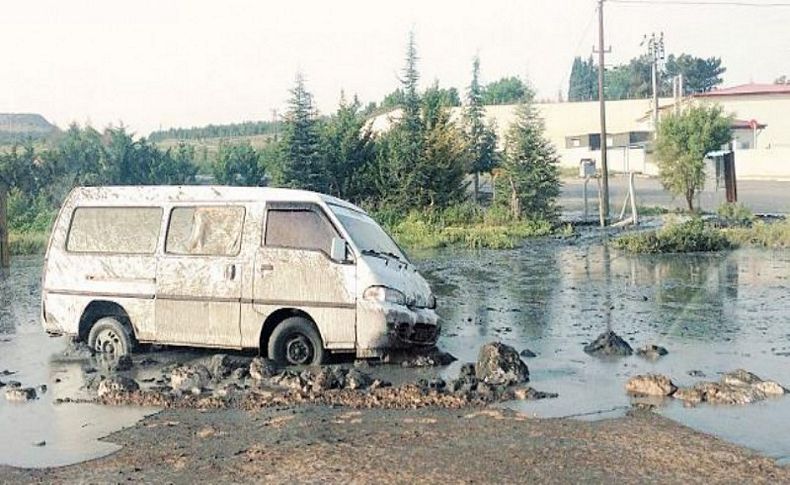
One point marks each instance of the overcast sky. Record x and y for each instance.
(165, 63)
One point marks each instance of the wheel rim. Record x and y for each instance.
(109, 342)
(298, 349)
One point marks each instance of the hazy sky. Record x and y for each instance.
(188, 62)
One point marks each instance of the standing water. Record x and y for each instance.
(43, 432)
(713, 312)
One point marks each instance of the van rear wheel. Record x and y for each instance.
(110, 337)
(295, 341)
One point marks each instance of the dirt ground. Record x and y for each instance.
(326, 444)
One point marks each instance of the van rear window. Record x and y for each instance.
(122, 230)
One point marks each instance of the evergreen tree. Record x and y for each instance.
(238, 164)
(400, 165)
(480, 139)
(348, 151)
(528, 182)
(300, 164)
(445, 157)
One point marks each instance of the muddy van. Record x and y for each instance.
(293, 274)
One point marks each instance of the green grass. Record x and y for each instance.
(466, 225)
(687, 237)
(761, 234)
(26, 243)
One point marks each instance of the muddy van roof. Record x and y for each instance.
(153, 194)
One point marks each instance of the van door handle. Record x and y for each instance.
(266, 267)
(230, 272)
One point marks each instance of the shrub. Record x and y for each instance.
(761, 234)
(735, 214)
(688, 237)
(27, 243)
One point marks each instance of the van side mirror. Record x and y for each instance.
(339, 250)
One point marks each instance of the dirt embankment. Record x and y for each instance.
(325, 444)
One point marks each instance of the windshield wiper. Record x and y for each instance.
(382, 254)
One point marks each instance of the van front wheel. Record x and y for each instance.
(110, 337)
(295, 341)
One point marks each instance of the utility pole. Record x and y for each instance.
(602, 101)
(5, 251)
(655, 51)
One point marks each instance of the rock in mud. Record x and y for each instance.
(239, 374)
(609, 344)
(500, 364)
(324, 378)
(430, 358)
(121, 364)
(651, 352)
(115, 384)
(531, 394)
(261, 369)
(220, 366)
(20, 394)
(528, 354)
(650, 385)
(356, 379)
(735, 387)
(187, 378)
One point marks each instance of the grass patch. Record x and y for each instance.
(25, 243)
(465, 225)
(761, 234)
(688, 237)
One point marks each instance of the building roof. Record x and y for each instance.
(747, 89)
(747, 124)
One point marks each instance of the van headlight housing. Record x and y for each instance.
(432, 302)
(384, 294)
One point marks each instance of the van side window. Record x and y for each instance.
(121, 230)
(209, 230)
(299, 229)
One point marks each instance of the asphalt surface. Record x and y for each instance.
(761, 196)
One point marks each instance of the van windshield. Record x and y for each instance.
(368, 236)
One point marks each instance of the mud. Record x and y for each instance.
(321, 444)
(714, 313)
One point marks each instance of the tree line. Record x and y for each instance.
(423, 162)
(633, 80)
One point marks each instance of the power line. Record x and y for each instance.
(726, 3)
(582, 38)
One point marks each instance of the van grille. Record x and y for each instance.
(419, 333)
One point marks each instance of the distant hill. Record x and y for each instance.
(19, 127)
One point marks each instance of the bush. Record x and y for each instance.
(27, 243)
(761, 234)
(688, 237)
(735, 214)
(467, 225)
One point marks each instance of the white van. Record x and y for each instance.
(294, 274)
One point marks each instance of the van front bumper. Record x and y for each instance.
(385, 326)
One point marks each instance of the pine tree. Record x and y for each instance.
(528, 182)
(480, 139)
(348, 151)
(400, 164)
(300, 163)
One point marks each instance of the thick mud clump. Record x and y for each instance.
(498, 375)
(735, 387)
(609, 344)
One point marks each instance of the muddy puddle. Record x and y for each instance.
(713, 313)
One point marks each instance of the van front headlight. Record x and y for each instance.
(383, 294)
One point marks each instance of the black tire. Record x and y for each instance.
(295, 341)
(111, 337)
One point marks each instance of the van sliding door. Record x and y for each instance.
(199, 277)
